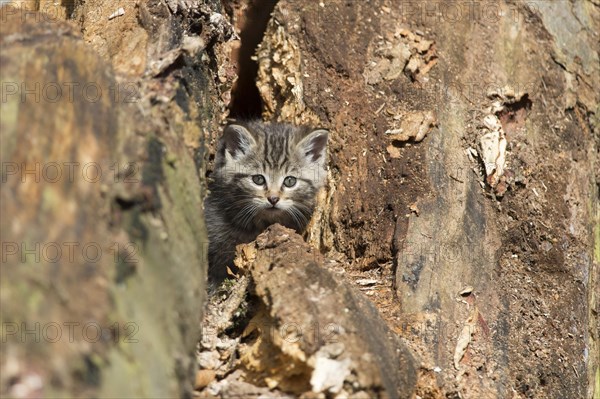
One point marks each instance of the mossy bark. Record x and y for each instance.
(105, 168)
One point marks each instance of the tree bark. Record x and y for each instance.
(103, 238)
(490, 273)
(496, 281)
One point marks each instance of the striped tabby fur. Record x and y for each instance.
(241, 204)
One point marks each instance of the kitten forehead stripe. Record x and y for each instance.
(276, 152)
(266, 152)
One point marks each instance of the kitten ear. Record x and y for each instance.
(237, 140)
(314, 145)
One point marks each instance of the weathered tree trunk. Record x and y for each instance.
(490, 273)
(521, 249)
(103, 261)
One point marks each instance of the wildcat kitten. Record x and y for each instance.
(265, 173)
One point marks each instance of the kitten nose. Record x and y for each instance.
(273, 200)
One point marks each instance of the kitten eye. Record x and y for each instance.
(289, 181)
(258, 180)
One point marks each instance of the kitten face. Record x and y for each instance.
(270, 173)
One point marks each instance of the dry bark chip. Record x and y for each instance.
(413, 127)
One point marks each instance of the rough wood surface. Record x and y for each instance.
(492, 283)
(289, 326)
(420, 216)
(102, 166)
(302, 295)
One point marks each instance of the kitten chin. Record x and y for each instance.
(271, 216)
(265, 173)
